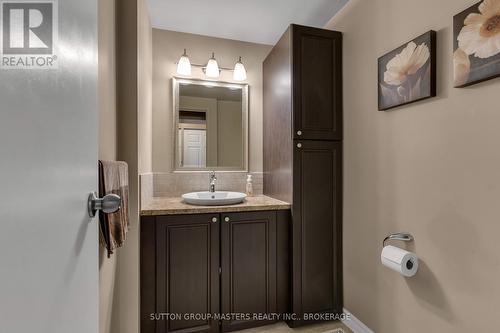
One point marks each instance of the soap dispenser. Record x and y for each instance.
(249, 186)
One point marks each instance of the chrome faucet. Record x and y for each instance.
(211, 181)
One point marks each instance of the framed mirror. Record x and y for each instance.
(210, 125)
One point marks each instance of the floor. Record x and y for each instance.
(329, 327)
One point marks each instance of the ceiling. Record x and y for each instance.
(258, 21)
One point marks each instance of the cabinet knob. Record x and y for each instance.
(226, 219)
(299, 145)
(214, 219)
(299, 133)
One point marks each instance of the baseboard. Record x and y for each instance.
(355, 324)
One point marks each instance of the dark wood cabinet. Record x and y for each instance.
(316, 83)
(317, 244)
(248, 266)
(187, 271)
(217, 264)
(303, 160)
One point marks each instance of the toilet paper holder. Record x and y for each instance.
(400, 236)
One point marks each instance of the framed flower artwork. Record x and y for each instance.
(408, 73)
(476, 39)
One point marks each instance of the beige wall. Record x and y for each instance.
(125, 303)
(430, 168)
(229, 140)
(107, 144)
(125, 70)
(107, 80)
(167, 49)
(145, 87)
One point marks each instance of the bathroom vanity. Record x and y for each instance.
(213, 260)
(263, 256)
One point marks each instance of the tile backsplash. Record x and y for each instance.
(175, 184)
(145, 187)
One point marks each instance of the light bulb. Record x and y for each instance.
(212, 69)
(239, 73)
(184, 65)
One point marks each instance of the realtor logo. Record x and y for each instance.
(28, 34)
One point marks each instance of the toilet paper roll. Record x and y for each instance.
(399, 260)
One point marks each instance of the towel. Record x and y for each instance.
(113, 179)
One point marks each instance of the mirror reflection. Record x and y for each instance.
(210, 125)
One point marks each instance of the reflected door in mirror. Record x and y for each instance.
(194, 154)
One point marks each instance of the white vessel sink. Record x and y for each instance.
(218, 198)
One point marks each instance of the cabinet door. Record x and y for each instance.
(317, 84)
(317, 227)
(187, 249)
(248, 267)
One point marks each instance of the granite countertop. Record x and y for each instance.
(175, 206)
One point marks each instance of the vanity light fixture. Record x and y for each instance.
(212, 69)
(184, 65)
(239, 73)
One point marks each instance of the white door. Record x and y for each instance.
(48, 166)
(195, 148)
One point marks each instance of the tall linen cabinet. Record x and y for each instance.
(303, 162)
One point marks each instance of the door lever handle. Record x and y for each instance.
(111, 203)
